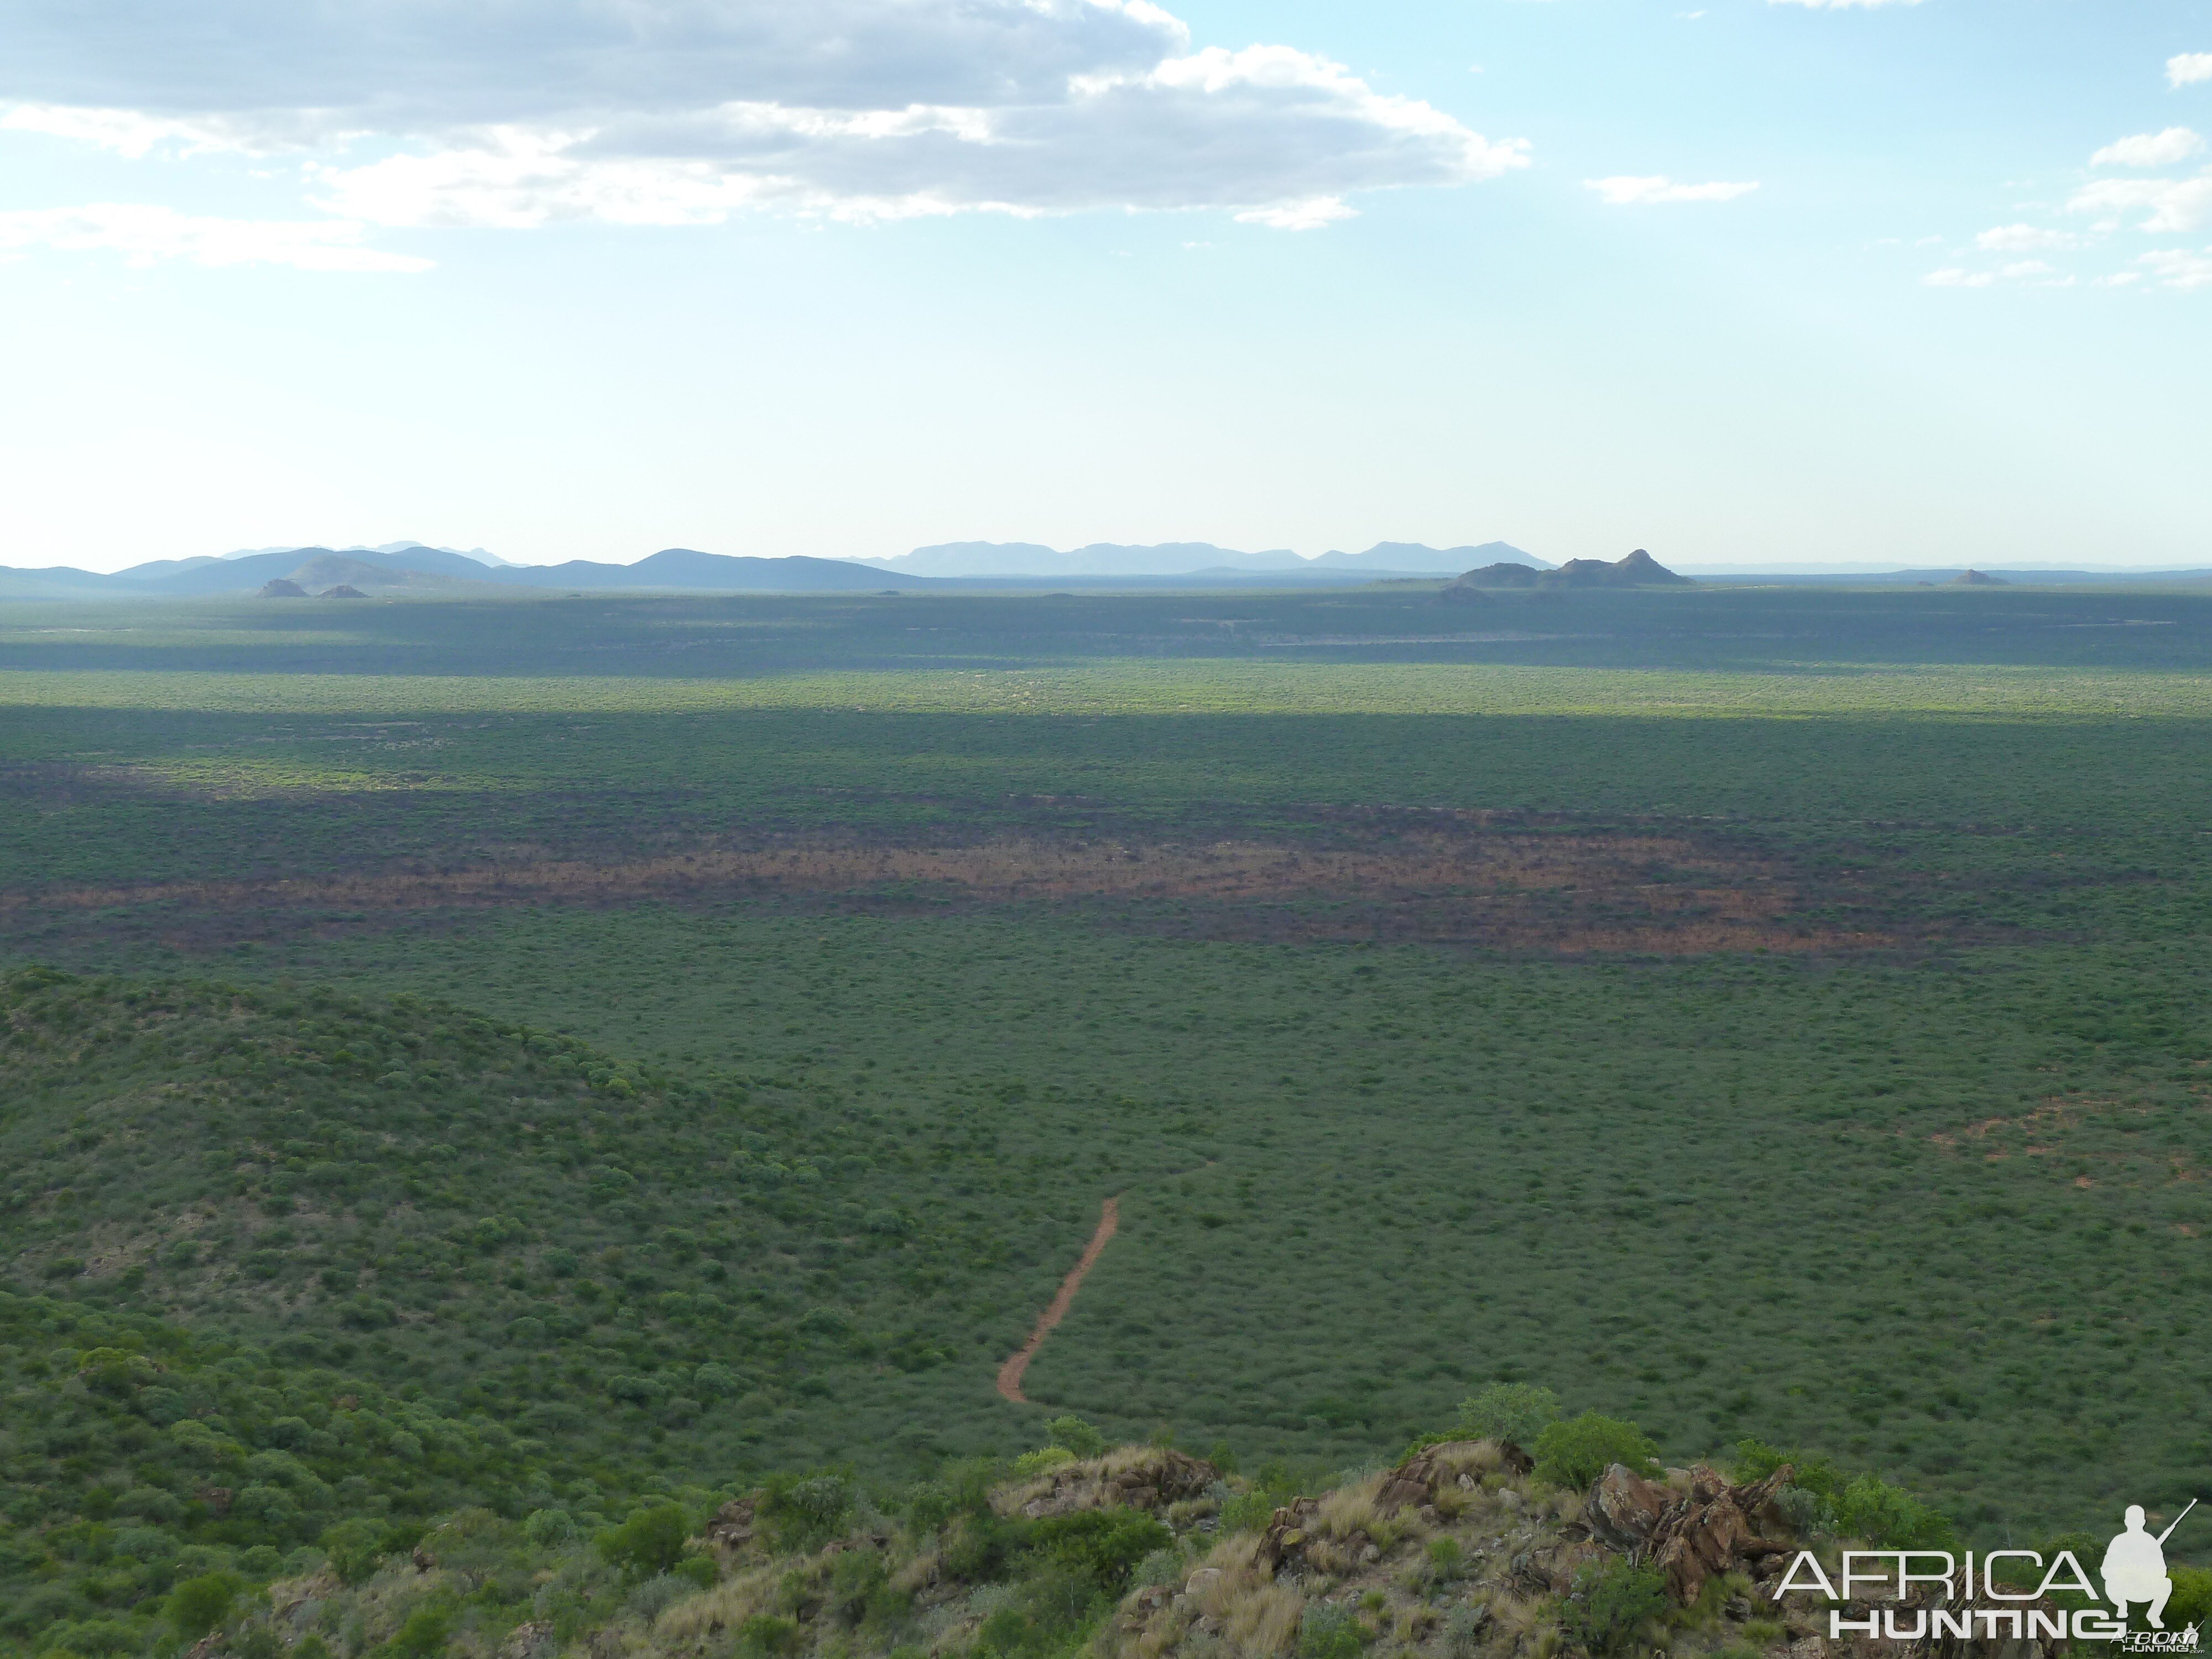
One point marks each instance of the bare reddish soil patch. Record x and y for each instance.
(1443, 879)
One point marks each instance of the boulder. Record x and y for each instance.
(1287, 1531)
(1691, 1536)
(732, 1528)
(1549, 1568)
(1416, 1481)
(1624, 1508)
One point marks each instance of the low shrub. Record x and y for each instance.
(200, 1605)
(1890, 1518)
(1328, 1630)
(805, 1511)
(1103, 1546)
(648, 1544)
(1075, 1435)
(1610, 1602)
(1822, 1497)
(767, 1634)
(1519, 1411)
(1574, 1453)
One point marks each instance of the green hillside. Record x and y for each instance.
(631, 1263)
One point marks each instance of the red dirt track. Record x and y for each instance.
(1010, 1374)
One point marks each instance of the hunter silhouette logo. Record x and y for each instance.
(2134, 1570)
(2134, 1566)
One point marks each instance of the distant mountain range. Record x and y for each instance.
(477, 553)
(414, 568)
(1191, 559)
(420, 569)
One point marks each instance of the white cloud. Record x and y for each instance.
(1842, 5)
(2035, 273)
(1310, 215)
(2024, 238)
(127, 132)
(145, 234)
(2168, 205)
(681, 111)
(1624, 191)
(2149, 149)
(2186, 69)
(2179, 267)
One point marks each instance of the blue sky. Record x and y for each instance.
(1744, 282)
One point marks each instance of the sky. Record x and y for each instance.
(1756, 283)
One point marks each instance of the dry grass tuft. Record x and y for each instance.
(723, 1607)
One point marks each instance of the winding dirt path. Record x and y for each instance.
(1010, 1374)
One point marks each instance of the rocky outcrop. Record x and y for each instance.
(732, 1528)
(1288, 1531)
(1151, 1480)
(343, 592)
(281, 588)
(1624, 1508)
(1415, 1482)
(1690, 1535)
(532, 1640)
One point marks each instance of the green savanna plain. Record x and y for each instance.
(1833, 1069)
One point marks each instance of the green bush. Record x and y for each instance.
(1075, 1435)
(805, 1511)
(424, 1632)
(647, 1544)
(200, 1605)
(1610, 1602)
(1889, 1518)
(1576, 1452)
(1160, 1567)
(1330, 1630)
(1103, 1546)
(2191, 1603)
(860, 1591)
(699, 1570)
(1864, 1506)
(357, 1547)
(766, 1635)
(550, 1528)
(979, 1546)
(1519, 1411)
(1755, 1460)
